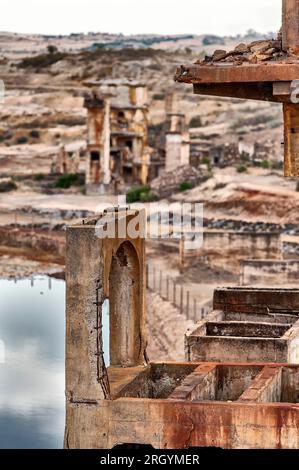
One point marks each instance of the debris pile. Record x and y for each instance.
(170, 182)
(253, 53)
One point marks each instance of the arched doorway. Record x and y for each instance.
(125, 307)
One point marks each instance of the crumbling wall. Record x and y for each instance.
(270, 272)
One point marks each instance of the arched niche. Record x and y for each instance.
(125, 306)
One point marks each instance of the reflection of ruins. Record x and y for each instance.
(117, 123)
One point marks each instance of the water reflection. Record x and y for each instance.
(32, 329)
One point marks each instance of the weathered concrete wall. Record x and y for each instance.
(248, 325)
(93, 264)
(179, 406)
(255, 301)
(173, 151)
(220, 245)
(269, 272)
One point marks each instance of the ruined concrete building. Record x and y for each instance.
(177, 138)
(263, 70)
(117, 121)
(114, 396)
(248, 325)
(238, 388)
(67, 158)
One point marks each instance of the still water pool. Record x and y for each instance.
(32, 330)
(32, 337)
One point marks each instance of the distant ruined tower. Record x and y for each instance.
(177, 139)
(98, 175)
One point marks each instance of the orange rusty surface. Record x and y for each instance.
(290, 30)
(178, 424)
(223, 73)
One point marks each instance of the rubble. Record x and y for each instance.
(170, 182)
(257, 51)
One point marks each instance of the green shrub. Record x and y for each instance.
(211, 39)
(195, 122)
(242, 169)
(185, 186)
(42, 60)
(137, 194)
(159, 96)
(22, 140)
(7, 185)
(34, 134)
(52, 49)
(39, 177)
(266, 164)
(205, 161)
(66, 181)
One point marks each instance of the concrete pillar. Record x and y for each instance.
(138, 95)
(106, 144)
(173, 151)
(290, 26)
(171, 103)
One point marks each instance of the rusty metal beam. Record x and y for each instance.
(291, 140)
(253, 91)
(290, 26)
(223, 73)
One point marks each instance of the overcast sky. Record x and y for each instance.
(140, 16)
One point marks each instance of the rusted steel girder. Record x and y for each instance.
(291, 139)
(265, 81)
(290, 26)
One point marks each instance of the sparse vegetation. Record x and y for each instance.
(22, 140)
(266, 164)
(185, 186)
(34, 134)
(41, 61)
(140, 194)
(52, 49)
(7, 185)
(242, 169)
(211, 39)
(39, 177)
(159, 96)
(205, 161)
(253, 121)
(195, 122)
(66, 181)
